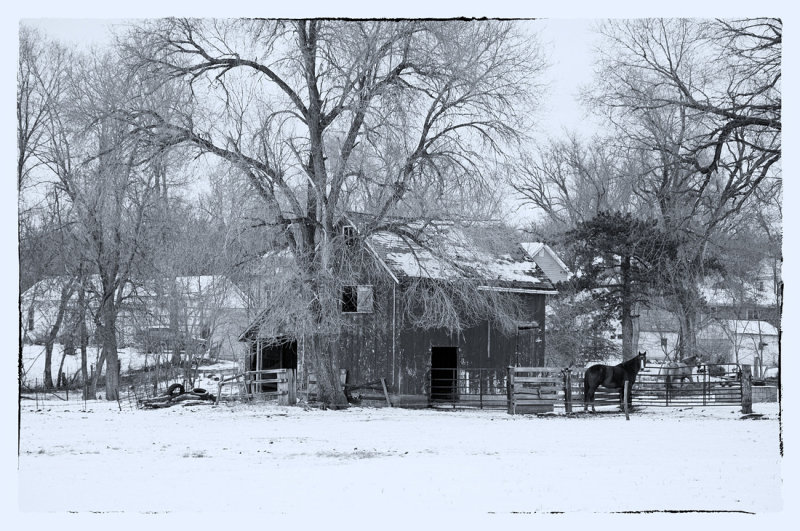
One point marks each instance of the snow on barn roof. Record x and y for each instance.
(452, 254)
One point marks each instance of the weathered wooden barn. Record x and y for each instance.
(424, 365)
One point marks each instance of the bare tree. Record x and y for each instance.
(329, 116)
(571, 181)
(699, 101)
(41, 79)
(100, 169)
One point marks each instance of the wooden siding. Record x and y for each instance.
(369, 351)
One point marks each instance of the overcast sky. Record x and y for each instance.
(567, 45)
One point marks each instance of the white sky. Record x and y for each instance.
(567, 43)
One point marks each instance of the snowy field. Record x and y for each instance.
(264, 457)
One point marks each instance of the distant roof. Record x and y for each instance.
(746, 327)
(724, 296)
(453, 254)
(534, 248)
(224, 292)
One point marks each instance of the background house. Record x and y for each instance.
(208, 308)
(738, 324)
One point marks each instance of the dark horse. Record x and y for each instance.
(611, 377)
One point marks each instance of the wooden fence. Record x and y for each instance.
(539, 389)
(273, 383)
(534, 389)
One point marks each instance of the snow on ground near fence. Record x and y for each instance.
(263, 457)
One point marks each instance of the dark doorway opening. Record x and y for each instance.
(276, 354)
(444, 363)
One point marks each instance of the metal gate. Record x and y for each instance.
(710, 385)
(469, 388)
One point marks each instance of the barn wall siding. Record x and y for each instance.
(366, 346)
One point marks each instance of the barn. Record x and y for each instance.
(425, 365)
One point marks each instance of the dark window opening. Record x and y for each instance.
(350, 299)
(30, 318)
(357, 299)
(349, 233)
(663, 342)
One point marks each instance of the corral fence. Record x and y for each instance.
(537, 389)
(546, 389)
(469, 388)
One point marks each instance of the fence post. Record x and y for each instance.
(283, 387)
(292, 387)
(480, 386)
(510, 390)
(747, 389)
(625, 399)
(568, 391)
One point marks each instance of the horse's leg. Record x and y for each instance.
(630, 393)
(585, 393)
(588, 396)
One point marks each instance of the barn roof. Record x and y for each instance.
(450, 252)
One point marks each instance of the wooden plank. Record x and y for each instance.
(537, 379)
(386, 393)
(536, 388)
(544, 408)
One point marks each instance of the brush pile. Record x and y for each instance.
(175, 395)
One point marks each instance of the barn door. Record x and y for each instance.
(444, 365)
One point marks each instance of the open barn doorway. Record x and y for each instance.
(444, 365)
(278, 353)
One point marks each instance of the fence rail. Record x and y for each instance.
(273, 383)
(469, 388)
(543, 389)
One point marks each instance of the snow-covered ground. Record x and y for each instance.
(264, 457)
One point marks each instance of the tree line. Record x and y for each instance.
(299, 122)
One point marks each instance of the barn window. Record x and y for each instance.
(357, 299)
(752, 314)
(30, 318)
(663, 342)
(349, 233)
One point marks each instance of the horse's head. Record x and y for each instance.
(642, 359)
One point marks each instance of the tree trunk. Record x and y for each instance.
(84, 340)
(323, 361)
(635, 336)
(96, 375)
(66, 293)
(48, 362)
(627, 305)
(688, 340)
(61, 380)
(109, 340)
